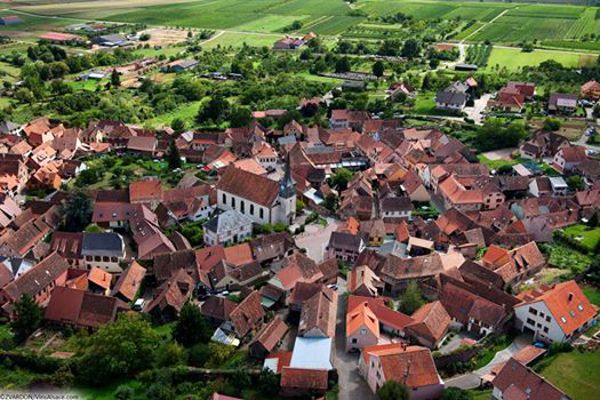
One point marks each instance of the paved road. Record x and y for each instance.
(316, 237)
(472, 380)
(476, 112)
(351, 385)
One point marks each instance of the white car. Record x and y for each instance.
(139, 304)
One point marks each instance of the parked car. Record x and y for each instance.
(139, 304)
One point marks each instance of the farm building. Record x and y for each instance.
(111, 40)
(61, 38)
(179, 66)
(10, 20)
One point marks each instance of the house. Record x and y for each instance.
(170, 297)
(318, 315)
(81, 309)
(99, 281)
(555, 314)
(179, 66)
(516, 381)
(227, 227)
(430, 325)
(247, 316)
(38, 282)
(217, 309)
(9, 128)
(590, 90)
(261, 199)
(344, 119)
(562, 103)
(345, 246)
(129, 282)
(568, 157)
(514, 265)
(411, 366)
(288, 43)
(105, 250)
(268, 338)
(307, 372)
(454, 98)
(390, 321)
(400, 90)
(542, 144)
(396, 207)
(362, 328)
(362, 281)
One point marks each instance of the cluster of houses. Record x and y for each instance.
(467, 261)
(513, 97)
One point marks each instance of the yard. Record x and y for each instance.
(514, 58)
(586, 236)
(593, 295)
(576, 373)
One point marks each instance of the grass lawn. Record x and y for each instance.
(566, 258)
(592, 294)
(186, 111)
(237, 39)
(513, 59)
(108, 392)
(496, 164)
(481, 394)
(585, 235)
(577, 374)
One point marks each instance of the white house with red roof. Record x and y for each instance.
(555, 314)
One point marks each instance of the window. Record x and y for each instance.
(580, 307)
(545, 329)
(532, 311)
(363, 331)
(251, 209)
(530, 322)
(224, 198)
(563, 320)
(243, 206)
(572, 313)
(548, 319)
(232, 202)
(105, 258)
(262, 213)
(354, 340)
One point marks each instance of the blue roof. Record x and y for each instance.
(312, 353)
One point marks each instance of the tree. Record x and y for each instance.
(342, 65)
(551, 124)
(173, 157)
(77, 212)
(411, 299)
(392, 390)
(240, 117)
(576, 182)
(341, 178)
(410, 49)
(494, 134)
(191, 327)
(331, 202)
(378, 68)
(115, 78)
(169, 354)
(453, 393)
(28, 317)
(178, 125)
(214, 110)
(117, 350)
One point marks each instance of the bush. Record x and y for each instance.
(124, 392)
(558, 347)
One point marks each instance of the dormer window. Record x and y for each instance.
(580, 307)
(563, 320)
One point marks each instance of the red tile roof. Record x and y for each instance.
(412, 366)
(304, 379)
(249, 186)
(519, 382)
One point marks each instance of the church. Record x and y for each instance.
(261, 199)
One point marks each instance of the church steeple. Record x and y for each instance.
(287, 186)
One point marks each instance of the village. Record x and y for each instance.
(351, 254)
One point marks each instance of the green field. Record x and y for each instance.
(577, 374)
(502, 23)
(513, 58)
(589, 238)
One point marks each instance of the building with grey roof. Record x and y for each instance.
(226, 228)
(103, 250)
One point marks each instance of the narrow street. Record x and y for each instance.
(351, 385)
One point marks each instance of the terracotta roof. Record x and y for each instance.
(412, 366)
(304, 379)
(67, 244)
(173, 293)
(384, 314)
(319, 312)
(519, 382)
(218, 308)
(272, 334)
(78, 307)
(249, 186)
(431, 320)
(363, 276)
(247, 314)
(239, 254)
(146, 190)
(361, 317)
(566, 302)
(130, 281)
(100, 277)
(283, 358)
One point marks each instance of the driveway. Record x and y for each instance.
(351, 385)
(316, 237)
(476, 112)
(472, 380)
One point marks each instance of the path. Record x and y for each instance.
(213, 37)
(486, 24)
(351, 385)
(472, 380)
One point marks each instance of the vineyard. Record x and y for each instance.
(478, 55)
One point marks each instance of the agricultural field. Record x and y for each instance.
(513, 58)
(478, 55)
